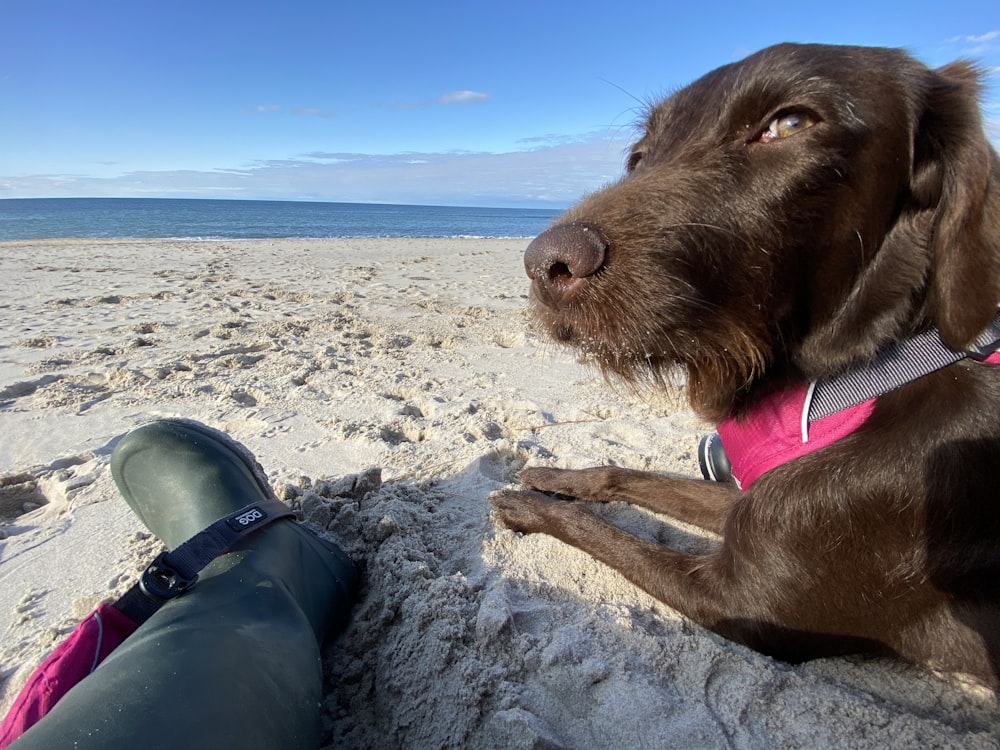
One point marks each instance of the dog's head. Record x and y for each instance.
(783, 216)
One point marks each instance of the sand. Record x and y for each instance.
(331, 360)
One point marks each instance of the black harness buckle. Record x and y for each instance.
(987, 343)
(982, 351)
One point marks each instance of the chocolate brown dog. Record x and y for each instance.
(798, 220)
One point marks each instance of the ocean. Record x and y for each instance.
(147, 218)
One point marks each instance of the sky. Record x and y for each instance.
(432, 102)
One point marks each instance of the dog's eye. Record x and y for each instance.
(633, 161)
(786, 126)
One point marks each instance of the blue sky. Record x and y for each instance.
(460, 103)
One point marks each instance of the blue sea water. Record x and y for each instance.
(48, 218)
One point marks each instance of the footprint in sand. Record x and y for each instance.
(28, 491)
(25, 388)
(19, 494)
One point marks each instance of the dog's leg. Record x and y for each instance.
(768, 600)
(694, 501)
(689, 583)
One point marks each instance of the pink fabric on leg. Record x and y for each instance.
(97, 635)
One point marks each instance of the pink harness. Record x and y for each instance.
(778, 430)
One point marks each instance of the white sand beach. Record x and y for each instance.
(330, 359)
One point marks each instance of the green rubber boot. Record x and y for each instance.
(235, 661)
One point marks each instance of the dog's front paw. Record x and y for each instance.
(527, 512)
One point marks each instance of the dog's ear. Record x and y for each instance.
(956, 175)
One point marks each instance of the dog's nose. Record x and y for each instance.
(560, 260)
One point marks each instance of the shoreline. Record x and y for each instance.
(214, 219)
(36, 241)
(328, 358)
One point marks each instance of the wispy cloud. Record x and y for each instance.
(315, 112)
(989, 36)
(977, 44)
(449, 98)
(463, 97)
(558, 139)
(546, 175)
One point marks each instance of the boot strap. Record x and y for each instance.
(172, 573)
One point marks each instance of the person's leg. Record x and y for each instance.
(234, 661)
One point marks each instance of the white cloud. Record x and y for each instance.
(557, 174)
(977, 45)
(449, 98)
(463, 97)
(974, 38)
(315, 112)
(452, 97)
(989, 36)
